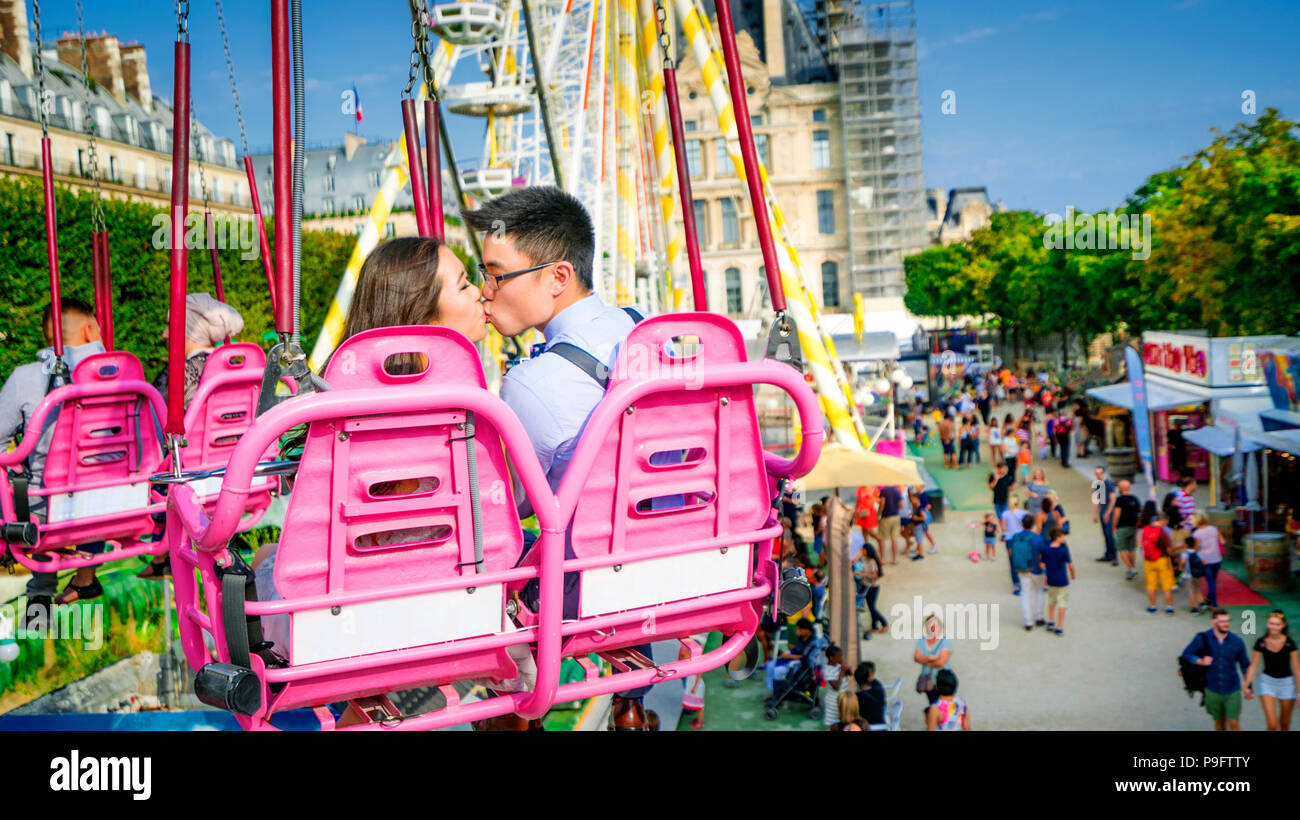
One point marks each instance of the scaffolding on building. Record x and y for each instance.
(873, 48)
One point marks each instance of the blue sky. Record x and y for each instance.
(1057, 105)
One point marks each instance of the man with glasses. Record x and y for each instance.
(538, 253)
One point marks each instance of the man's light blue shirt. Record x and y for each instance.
(552, 397)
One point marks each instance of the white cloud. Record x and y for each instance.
(975, 34)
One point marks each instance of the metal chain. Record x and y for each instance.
(40, 70)
(97, 223)
(419, 48)
(230, 69)
(198, 152)
(661, 14)
(182, 20)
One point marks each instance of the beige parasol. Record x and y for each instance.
(841, 467)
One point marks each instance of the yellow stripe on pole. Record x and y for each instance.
(819, 352)
(664, 158)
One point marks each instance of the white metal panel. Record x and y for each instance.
(660, 580)
(103, 501)
(381, 626)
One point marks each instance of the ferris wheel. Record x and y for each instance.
(562, 130)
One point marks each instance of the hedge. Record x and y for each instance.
(140, 273)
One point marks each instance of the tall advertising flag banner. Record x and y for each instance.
(1141, 418)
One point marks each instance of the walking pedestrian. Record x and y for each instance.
(1024, 550)
(995, 442)
(1064, 429)
(990, 536)
(1156, 549)
(1010, 447)
(1125, 515)
(921, 506)
(966, 453)
(1222, 653)
(933, 652)
(870, 575)
(1013, 522)
(1209, 544)
(1000, 481)
(976, 432)
(867, 512)
(1277, 680)
(891, 502)
(1058, 571)
(1037, 487)
(1104, 493)
(948, 441)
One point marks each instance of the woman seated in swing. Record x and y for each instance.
(407, 281)
(208, 323)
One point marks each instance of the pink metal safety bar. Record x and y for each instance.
(106, 443)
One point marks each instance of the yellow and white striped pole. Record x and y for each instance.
(664, 159)
(827, 373)
(783, 229)
(395, 180)
(627, 130)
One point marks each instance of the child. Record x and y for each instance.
(833, 674)
(1023, 459)
(1189, 563)
(990, 536)
(1055, 560)
(949, 712)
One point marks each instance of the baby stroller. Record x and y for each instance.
(802, 684)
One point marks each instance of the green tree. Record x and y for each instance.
(140, 273)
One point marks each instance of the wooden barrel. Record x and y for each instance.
(1121, 462)
(1268, 566)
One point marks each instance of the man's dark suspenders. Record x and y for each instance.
(586, 362)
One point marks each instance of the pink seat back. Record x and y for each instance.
(341, 532)
(704, 443)
(107, 438)
(224, 405)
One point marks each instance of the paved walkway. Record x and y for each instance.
(1115, 667)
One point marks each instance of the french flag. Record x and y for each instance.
(357, 98)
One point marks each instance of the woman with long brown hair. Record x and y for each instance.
(415, 281)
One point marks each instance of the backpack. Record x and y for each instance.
(1151, 544)
(1021, 547)
(1065, 425)
(1194, 675)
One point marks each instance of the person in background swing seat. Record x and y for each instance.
(26, 386)
(208, 323)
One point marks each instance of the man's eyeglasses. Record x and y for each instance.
(497, 281)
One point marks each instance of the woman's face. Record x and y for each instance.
(459, 307)
(933, 628)
(1275, 626)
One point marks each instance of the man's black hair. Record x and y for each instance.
(804, 623)
(1027, 522)
(833, 650)
(864, 672)
(70, 305)
(546, 225)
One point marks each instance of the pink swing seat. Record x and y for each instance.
(669, 502)
(381, 590)
(106, 443)
(222, 410)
